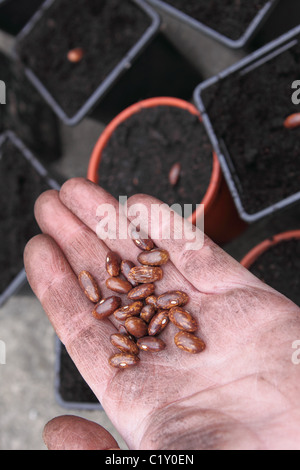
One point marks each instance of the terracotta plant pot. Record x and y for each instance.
(255, 263)
(221, 219)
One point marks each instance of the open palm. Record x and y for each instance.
(240, 393)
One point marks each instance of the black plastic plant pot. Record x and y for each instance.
(27, 114)
(233, 24)
(115, 44)
(244, 110)
(14, 14)
(71, 390)
(23, 179)
(284, 17)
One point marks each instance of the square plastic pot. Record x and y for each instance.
(152, 66)
(45, 181)
(241, 43)
(209, 89)
(14, 14)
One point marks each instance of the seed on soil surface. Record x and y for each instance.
(126, 266)
(174, 174)
(106, 307)
(151, 344)
(76, 55)
(189, 342)
(172, 299)
(136, 327)
(292, 121)
(141, 292)
(145, 274)
(89, 286)
(128, 311)
(154, 257)
(118, 285)
(158, 323)
(183, 319)
(124, 343)
(113, 264)
(141, 241)
(124, 360)
(147, 313)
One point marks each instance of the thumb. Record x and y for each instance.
(74, 433)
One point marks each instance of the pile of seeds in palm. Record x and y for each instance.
(145, 315)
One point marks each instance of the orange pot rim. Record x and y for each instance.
(95, 160)
(261, 248)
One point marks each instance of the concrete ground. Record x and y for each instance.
(27, 399)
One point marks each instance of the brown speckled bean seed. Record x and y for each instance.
(158, 323)
(75, 55)
(172, 299)
(113, 264)
(141, 241)
(141, 292)
(151, 300)
(89, 286)
(183, 319)
(126, 266)
(136, 327)
(189, 342)
(292, 121)
(174, 174)
(124, 343)
(155, 257)
(106, 307)
(145, 274)
(128, 311)
(118, 285)
(124, 360)
(147, 313)
(151, 344)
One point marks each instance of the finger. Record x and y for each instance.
(84, 198)
(80, 245)
(74, 433)
(55, 284)
(209, 268)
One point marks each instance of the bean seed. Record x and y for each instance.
(126, 266)
(106, 307)
(183, 319)
(151, 300)
(142, 241)
(124, 343)
(154, 257)
(76, 55)
(172, 299)
(89, 286)
(128, 311)
(158, 323)
(145, 274)
(113, 264)
(141, 292)
(174, 174)
(124, 360)
(147, 313)
(151, 344)
(136, 327)
(292, 121)
(119, 285)
(189, 342)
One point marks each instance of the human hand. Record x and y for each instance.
(240, 393)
